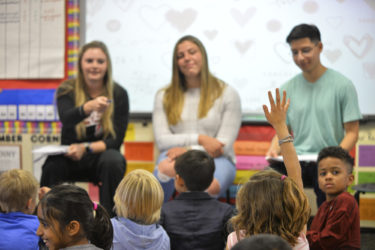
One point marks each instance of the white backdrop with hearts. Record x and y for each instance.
(245, 41)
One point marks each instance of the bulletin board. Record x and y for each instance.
(28, 117)
(365, 173)
(32, 99)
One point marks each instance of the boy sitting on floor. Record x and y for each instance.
(18, 225)
(336, 225)
(194, 220)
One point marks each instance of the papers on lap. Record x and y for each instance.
(310, 157)
(52, 150)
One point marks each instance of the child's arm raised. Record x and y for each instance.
(277, 118)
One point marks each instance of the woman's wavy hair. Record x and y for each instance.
(211, 87)
(269, 204)
(81, 96)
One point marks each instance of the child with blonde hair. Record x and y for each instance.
(18, 191)
(270, 202)
(138, 200)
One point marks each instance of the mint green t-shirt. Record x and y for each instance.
(318, 110)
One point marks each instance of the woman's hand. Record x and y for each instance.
(98, 104)
(173, 153)
(213, 146)
(76, 151)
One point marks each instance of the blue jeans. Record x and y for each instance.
(225, 171)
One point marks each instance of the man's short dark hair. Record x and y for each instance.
(262, 242)
(304, 31)
(339, 153)
(196, 168)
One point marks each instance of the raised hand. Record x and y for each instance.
(277, 116)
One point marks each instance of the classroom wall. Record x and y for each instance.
(18, 137)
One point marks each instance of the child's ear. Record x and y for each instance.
(350, 179)
(73, 227)
(180, 182)
(30, 206)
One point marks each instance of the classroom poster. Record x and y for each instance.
(32, 44)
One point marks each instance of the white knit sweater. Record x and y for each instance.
(221, 122)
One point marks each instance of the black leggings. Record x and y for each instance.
(105, 169)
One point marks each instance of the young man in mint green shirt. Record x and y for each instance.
(324, 108)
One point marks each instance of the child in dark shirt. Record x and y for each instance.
(195, 220)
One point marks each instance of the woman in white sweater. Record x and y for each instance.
(195, 111)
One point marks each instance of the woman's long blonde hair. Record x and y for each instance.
(81, 93)
(211, 87)
(270, 204)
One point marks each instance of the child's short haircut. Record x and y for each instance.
(196, 168)
(304, 31)
(339, 153)
(263, 242)
(139, 197)
(269, 203)
(17, 186)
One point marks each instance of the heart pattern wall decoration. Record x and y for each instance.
(181, 20)
(153, 16)
(361, 47)
(370, 3)
(369, 69)
(122, 4)
(93, 7)
(332, 55)
(243, 47)
(210, 34)
(242, 18)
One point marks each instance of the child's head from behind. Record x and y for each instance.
(335, 167)
(196, 169)
(139, 197)
(263, 242)
(18, 190)
(271, 203)
(67, 216)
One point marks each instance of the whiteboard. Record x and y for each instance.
(245, 41)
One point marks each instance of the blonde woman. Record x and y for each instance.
(93, 110)
(196, 111)
(138, 202)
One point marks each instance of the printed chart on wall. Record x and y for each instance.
(32, 39)
(245, 42)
